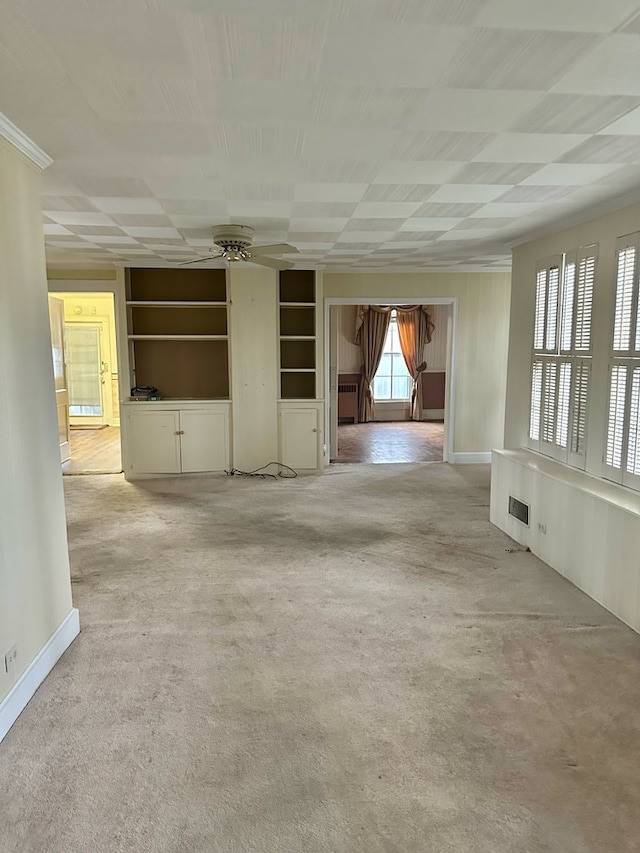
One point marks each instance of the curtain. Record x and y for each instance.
(372, 325)
(414, 330)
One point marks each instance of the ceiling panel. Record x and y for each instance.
(421, 133)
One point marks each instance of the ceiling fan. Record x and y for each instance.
(234, 244)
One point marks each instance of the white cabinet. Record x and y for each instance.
(204, 440)
(300, 436)
(158, 438)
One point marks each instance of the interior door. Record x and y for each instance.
(56, 322)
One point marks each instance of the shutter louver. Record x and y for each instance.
(553, 294)
(584, 303)
(541, 295)
(564, 396)
(568, 293)
(549, 385)
(536, 401)
(633, 447)
(624, 299)
(615, 422)
(580, 397)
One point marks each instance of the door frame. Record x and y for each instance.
(109, 284)
(450, 381)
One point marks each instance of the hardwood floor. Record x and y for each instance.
(391, 441)
(94, 451)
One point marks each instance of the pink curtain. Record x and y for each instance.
(372, 325)
(414, 330)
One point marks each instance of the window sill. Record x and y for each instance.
(597, 487)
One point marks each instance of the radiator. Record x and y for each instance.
(348, 401)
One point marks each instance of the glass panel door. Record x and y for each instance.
(84, 370)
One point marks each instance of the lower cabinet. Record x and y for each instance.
(300, 435)
(161, 440)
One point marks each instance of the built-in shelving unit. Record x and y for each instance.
(178, 334)
(297, 304)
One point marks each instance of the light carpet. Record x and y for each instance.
(356, 662)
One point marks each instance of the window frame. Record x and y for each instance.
(388, 400)
(561, 363)
(624, 360)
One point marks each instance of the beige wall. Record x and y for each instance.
(35, 585)
(481, 340)
(253, 339)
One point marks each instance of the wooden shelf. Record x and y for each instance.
(296, 304)
(150, 303)
(178, 337)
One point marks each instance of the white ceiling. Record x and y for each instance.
(414, 134)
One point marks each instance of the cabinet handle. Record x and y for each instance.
(314, 430)
(180, 432)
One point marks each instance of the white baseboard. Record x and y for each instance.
(18, 697)
(470, 458)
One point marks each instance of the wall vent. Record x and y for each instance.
(519, 510)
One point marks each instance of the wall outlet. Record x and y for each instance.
(10, 659)
(542, 528)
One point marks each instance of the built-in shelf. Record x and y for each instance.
(297, 315)
(177, 325)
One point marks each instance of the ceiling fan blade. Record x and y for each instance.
(275, 249)
(274, 263)
(200, 260)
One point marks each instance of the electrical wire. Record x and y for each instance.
(260, 472)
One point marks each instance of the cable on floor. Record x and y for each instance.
(263, 474)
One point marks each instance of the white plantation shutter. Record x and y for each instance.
(568, 293)
(615, 419)
(549, 394)
(541, 308)
(633, 447)
(561, 366)
(536, 401)
(625, 288)
(584, 300)
(562, 408)
(580, 396)
(553, 297)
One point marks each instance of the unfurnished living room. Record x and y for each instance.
(249, 244)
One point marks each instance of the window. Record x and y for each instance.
(622, 443)
(392, 380)
(561, 363)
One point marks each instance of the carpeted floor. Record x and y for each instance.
(351, 663)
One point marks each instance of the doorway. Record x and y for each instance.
(391, 436)
(90, 353)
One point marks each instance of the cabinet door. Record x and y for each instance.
(299, 438)
(153, 442)
(205, 440)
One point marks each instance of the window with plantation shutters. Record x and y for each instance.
(561, 363)
(622, 447)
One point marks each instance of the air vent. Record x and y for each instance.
(519, 510)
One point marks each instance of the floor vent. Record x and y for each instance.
(519, 510)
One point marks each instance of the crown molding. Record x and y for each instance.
(21, 141)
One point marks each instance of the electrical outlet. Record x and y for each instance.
(542, 528)
(10, 659)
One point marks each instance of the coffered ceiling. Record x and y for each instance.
(371, 134)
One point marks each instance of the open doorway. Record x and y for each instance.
(390, 433)
(92, 381)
